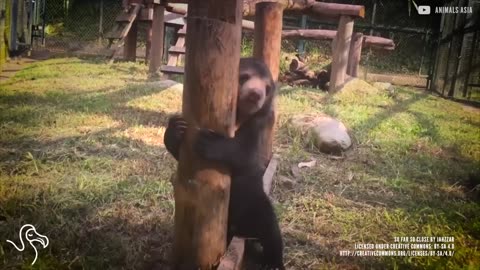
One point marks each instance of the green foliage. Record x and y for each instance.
(54, 29)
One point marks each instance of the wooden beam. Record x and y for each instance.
(233, 259)
(175, 9)
(202, 188)
(295, 5)
(268, 35)
(176, 49)
(266, 47)
(172, 69)
(156, 51)
(313, 34)
(334, 9)
(247, 25)
(319, 34)
(268, 175)
(355, 54)
(379, 42)
(340, 53)
(312, 8)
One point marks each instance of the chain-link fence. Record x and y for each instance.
(79, 26)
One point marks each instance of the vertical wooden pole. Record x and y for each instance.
(148, 44)
(340, 53)
(100, 24)
(202, 188)
(355, 54)
(130, 47)
(268, 35)
(266, 47)
(156, 48)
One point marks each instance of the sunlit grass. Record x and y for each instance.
(82, 158)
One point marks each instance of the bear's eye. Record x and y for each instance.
(243, 78)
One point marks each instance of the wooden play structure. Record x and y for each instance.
(345, 59)
(155, 15)
(212, 37)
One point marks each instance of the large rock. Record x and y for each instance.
(328, 134)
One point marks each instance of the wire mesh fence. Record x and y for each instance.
(79, 26)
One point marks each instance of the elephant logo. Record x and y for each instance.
(30, 234)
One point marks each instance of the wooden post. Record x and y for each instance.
(355, 54)
(266, 47)
(202, 189)
(156, 48)
(148, 45)
(340, 53)
(268, 35)
(130, 47)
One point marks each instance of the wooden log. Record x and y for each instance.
(268, 175)
(266, 47)
(355, 54)
(379, 42)
(268, 35)
(130, 47)
(176, 9)
(247, 25)
(319, 34)
(334, 9)
(233, 259)
(172, 69)
(340, 53)
(312, 8)
(156, 51)
(202, 188)
(295, 65)
(313, 34)
(296, 5)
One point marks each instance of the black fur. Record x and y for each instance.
(250, 213)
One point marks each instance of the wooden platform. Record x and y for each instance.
(172, 69)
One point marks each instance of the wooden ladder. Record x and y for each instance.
(175, 54)
(124, 23)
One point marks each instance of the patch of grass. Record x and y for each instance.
(82, 158)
